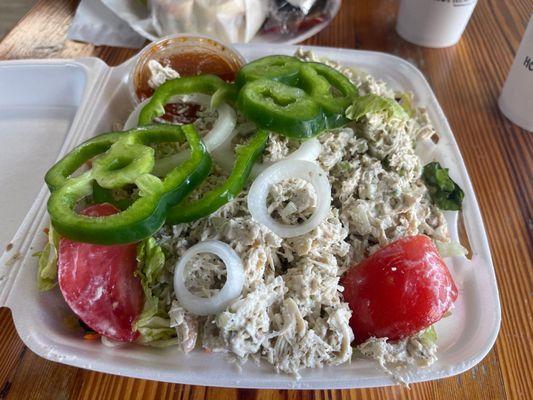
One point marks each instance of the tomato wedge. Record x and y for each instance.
(98, 282)
(399, 290)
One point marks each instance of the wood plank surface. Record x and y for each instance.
(467, 80)
(11, 11)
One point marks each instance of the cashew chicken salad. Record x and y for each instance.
(280, 215)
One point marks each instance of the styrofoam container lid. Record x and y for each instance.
(49, 106)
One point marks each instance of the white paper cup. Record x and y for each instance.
(516, 99)
(433, 23)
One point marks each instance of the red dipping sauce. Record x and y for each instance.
(188, 55)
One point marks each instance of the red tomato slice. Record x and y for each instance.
(399, 290)
(98, 282)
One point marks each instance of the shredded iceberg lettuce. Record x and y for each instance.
(154, 322)
(373, 104)
(450, 249)
(405, 100)
(47, 272)
(429, 335)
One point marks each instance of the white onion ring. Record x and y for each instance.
(222, 131)
(280, 171)
(224, 155)
(229, 292)
(133, 118)
(309, 150)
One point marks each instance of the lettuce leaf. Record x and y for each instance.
(429, 335)
(450, 249)
(47, 271)
(406, 102)
(154, 322)
(445, 193)
(374, 104)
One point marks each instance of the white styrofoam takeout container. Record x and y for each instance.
(49, 106)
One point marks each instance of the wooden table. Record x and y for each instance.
(467, 80)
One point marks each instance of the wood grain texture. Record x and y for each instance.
(467, 80)
(12, 11)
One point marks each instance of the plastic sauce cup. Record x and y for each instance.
(188, 55)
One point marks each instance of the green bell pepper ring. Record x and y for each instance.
(280, 108)
(226, 94)
(106, 168)
(101, 195)
(284, 69)
(146, 214)
(206, 84)
(329, 88)
(247, 155)
(61, 171)
(123, 163)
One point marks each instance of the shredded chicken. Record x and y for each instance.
(279, 147)
(416, 350)
(291, 312)
(186, 326)
(205, 275)
(291, 202)
(245, 326)
(159, 74)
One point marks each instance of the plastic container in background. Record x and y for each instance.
(516, 100)
(434, 23)
(140, 20)
(91, 98)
